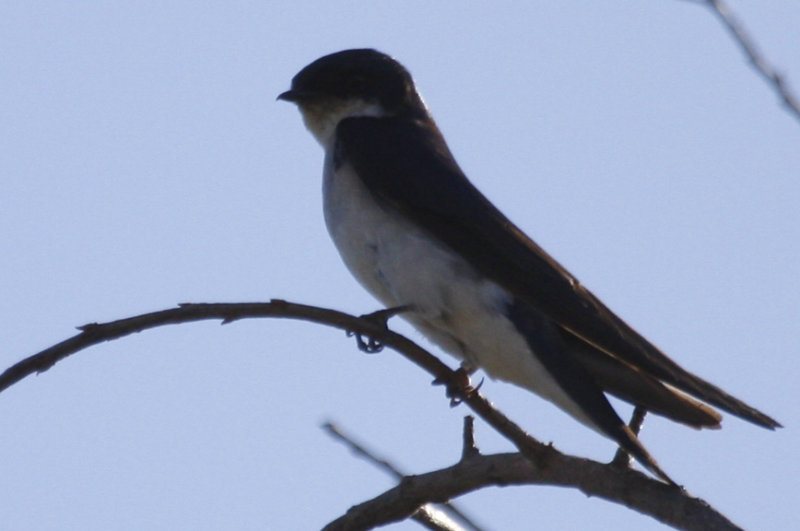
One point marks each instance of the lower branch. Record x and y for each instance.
(627, 487)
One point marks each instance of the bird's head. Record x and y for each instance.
(361, 82)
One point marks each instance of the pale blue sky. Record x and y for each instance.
(145, 162)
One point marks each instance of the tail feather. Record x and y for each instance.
(639, 388)
(628, 441)
(618, 376)
(578, 383)
(708, 392)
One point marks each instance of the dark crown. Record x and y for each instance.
(362, 73)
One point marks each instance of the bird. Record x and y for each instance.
(417, 234)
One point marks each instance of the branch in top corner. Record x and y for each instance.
(759, 62)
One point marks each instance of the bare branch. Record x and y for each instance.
(94, 333)
(757, 60)
(664, 502)
(360, 450)
(667, 504)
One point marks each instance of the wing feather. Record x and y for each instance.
(407, 166)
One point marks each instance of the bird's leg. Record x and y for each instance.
(458, 385)
(622, 459)
(380, 318)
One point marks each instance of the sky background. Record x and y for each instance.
(145, 162)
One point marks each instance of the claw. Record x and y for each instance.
(459, 387)
(379, 318)
(370, 346)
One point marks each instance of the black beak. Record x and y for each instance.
(289, 95)
(299, 96)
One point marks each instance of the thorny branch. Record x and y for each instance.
(542, 463)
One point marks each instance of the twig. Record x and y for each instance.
(757, 60)
(362, 451)
(431, 518)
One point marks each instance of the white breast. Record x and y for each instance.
(455, 307)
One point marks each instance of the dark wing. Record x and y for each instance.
(407, 166)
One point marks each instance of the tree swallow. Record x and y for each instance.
(416, 232)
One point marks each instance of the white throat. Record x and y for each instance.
(322, 119)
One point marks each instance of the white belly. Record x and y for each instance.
(454, 307)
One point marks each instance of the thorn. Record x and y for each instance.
(469, 448)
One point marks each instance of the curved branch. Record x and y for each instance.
(625, 486)
(620, 485)
(94, 333)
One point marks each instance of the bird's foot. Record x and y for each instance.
(370, 345)
(380, 318)
(458, 386)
